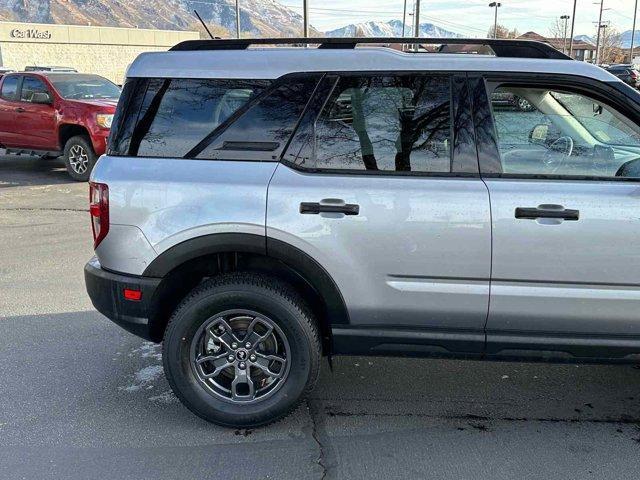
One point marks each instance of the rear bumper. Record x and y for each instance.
(106, 292)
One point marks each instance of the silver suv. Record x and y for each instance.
(261, 207)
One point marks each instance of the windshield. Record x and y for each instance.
(603, 122)
(84, 87)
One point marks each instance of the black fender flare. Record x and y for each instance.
(294, 258)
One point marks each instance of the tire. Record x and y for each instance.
(194, 333)
(79, 157)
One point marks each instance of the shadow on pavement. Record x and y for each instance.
(22, 170)
(85, 397)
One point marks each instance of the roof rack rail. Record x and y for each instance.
(501, 47)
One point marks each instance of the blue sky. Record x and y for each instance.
(470, 17)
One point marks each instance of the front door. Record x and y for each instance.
(9, 109)
(380, 187)
(565, 200)
(35, 117)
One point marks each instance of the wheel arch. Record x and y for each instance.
(70, 130)
(186, 264)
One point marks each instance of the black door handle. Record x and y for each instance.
(315, 208)
(533, 213)
(20, 110)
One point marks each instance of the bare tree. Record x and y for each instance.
(503, 32)
(556, 29)
(610, 45)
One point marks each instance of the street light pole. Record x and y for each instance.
(237, 19)
(305, 11)
(564, 38)
(633, 31)
(495, 5)
(416, 32)
(598, 36)
(573, 23)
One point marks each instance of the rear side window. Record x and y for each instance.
(10, 88)
(177, 114)
(209, 118)
(386, 123)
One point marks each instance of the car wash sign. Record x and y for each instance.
(30, 34)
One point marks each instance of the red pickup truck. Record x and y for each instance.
(57, 114)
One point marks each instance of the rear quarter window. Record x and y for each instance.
(9, 90)
(208, 118)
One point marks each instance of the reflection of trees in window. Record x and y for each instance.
(271, 120)
(378, 122)
(178, 113)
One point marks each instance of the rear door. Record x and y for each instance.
(9, 104)
(563, 178)
(35, 121)
(380, 186)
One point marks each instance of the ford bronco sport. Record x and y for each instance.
(260, 207)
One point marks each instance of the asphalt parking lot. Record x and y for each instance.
(80, 398)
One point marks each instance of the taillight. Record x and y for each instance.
(99, 210)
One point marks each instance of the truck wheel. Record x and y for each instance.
(242, 350)
(79, 157)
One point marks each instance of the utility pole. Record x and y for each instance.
(633, 31)
(404, 17)
(598, 36)
(573, 23)
(416, 32)
(603, 41)
(564, 38)
(305, 9)
(495, 5)
(237, 19)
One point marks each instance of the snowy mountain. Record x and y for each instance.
(625, 39)
(585, 38)
(257, 17)
(392, 28)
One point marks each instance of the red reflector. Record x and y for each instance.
(134, 295)
(94, 210)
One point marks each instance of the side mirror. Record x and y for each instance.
(597, 109)
(539, 133)
(41, 97)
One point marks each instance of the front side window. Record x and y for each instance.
(544, 131)
(388, 123)
(10, 88)
(33, 89)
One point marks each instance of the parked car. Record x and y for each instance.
(57, 114)
(260, 208)
(49, 68)
(4, 71)
(627, 73)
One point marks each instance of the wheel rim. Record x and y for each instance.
(240, 356)
(524, 104)
(78, 159)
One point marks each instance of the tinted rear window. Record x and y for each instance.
(208, 118)
(178, 114)
(10, 88)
